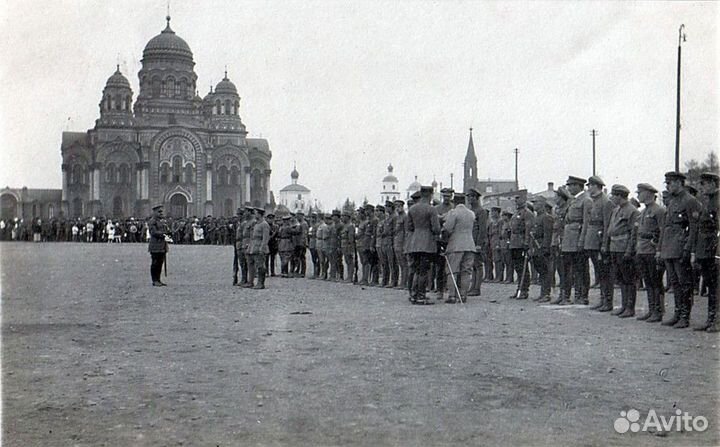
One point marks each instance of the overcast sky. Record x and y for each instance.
(344, 88)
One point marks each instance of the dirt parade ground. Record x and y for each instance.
(92, 355)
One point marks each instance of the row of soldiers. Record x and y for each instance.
(385, 246)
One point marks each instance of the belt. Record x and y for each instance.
(596, 222)
(646, 236)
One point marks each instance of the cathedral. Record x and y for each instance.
(170, 146)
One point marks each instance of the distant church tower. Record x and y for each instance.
(470, 177)
(390, 190)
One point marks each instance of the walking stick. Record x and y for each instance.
(452, 275)
(165, 264)
(522, 277)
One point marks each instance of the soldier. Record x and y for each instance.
(521, 225)
(505, 231)
(646, 236)
(409, 259)
(320, 235)
(379, 247)
(237, 249)
(258, 250)
(460, 252)
(388, 235)
(675, 246)
(330, 248)
(301, 241)
(480, 235)
(337, 222)
(273, 244)
(424, 226)
(360, 245)
(541, 248)
(617, 243)
(347, 246)
(596, 221)
(561, 204)
(706, 246)
(438, 266)
(312, 244)
(573, 241)
(157, 246)
(370, 249)
(286, 246)
(247, 237)
(399, 246)
(495, 264)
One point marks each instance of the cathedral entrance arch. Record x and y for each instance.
(178, 205)
(9, 206)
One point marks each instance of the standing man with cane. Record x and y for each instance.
(521, 225)
(157, 245)
(460, 251)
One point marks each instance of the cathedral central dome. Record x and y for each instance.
(167, 44)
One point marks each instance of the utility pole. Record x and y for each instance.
(451, 180)
(594, 134)
(516, 168)
(681, 39)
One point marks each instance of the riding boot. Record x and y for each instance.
(600, 303)
(630, 307)
(658, 306)
(607, 302)
(261, 279)
(623, 301)
(684, 320)
(712, 315)
(678, 307)
(650, 292)
(559, 298)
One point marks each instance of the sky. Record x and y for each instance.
(343, 88)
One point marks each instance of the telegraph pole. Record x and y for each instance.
(516, 168)
(594, 134)
(681, 39)
(451, 180)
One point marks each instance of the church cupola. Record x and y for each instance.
(224, 107)
(116, 102)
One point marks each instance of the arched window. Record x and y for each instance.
(176, 169)
(156, 87)
(222, 176)
(51, 211)
(181, 90)
(218, 107)
(189, 174)
(112, 103)
(237, 107)
(110, 173)
(108, 102)
(118, 103)
(170, 87)
(77, 175)
(34, 211)
(124, 174)
(234, 176)
(227, 107)
(228, 207)
(164, 173)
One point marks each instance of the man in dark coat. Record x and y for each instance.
(157, 246)
(706, 246)
(423, 225)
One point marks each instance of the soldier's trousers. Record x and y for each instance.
(603, 274)
(573, 262)
(499, 264)
(285, 261)
(242, 260)
(709, 269)
(489, 265)
(462, 268)
(332, 260)
(316, 262)
(542, 263)
(349, 257)
(439, 272)
(301, 260)
(518, 257)
(507, 260)
(478, 268)
(401, 263)
(236, 265)
(382, 265)
(156, 264)
(256, 264)
(652, 277)
(557, 266)
(271, 262)
(680, 276)
(322, 264)
(392, 267)
(365, 260)
(421, 266)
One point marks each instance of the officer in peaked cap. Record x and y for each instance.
(157, 246)
(616, 243)
(595, 228)
(676, 245)
(706, 246)
(482, 266)
(646, 236)
(574, 261)
(573, 180)
(423, 225)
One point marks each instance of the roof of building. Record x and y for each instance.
(167, 43)
(390, 177)
(294, 188)
(117, 80)
(226, 87)
(470, 155)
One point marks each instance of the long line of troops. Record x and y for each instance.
(456, 244)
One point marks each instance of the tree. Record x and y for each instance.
(348, 206)
(694, 168)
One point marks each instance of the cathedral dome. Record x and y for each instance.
(226, 87)
(167, 44)
(390, 177)
(294, 174)
(117, 80)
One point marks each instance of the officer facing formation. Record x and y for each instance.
(157, 245)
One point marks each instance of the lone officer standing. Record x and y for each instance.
(157, 245)
(706, 246)
(259, 250)
(521, 225)
(676, 244)
(541, 249)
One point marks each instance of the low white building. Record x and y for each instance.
(295, 197)
(390, 190)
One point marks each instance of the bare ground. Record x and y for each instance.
(93, 355)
